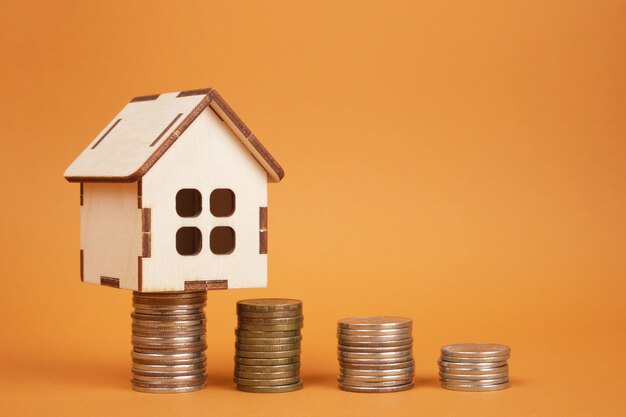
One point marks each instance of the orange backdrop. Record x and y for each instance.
(459, 162)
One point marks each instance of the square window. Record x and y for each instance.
(188, 241)
(222, 201)
(188, 202)
(222, 240)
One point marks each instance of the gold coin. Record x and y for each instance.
(358, 383)
(271, 389)
(268, 375)
(167, 390)
(270, 327)
(267, 348)
(396, 388)
(269, 304)
(269, 314)
(267, 335)
(266, 382)
(268, 355)
(375, 322)
(267, 361)
(271, 322)
(269, 340)
(267, 369)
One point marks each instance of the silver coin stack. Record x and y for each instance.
(375, 354)
(474, 367)
(267, 349)
(169, 340)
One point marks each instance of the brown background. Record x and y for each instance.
(459, 162)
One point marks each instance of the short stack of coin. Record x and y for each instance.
(169, 340)
(267, 350)
(474, 367)
(375, 354)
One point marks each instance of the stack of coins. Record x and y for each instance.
(474, 367)
(169, 340)
(375, 354)
(267, 350)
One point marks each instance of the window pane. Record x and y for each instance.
(188, 202)
(222, 202)
(222, 240)
(188, 241)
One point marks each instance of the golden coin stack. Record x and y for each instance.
(169, 340)
(474, 367)
(267, 350)
(375, 354)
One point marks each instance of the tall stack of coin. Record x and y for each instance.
(375, 354)
(169, 340)
(267, 350)
(474, 367)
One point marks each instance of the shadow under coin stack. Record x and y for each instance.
(169, 340)
(474, 367)
(267, 350)
(375, 354)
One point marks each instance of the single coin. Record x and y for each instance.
(381, 355)
(267, 348)
(463, 377)
(269, 314)
(166, 385)
(268, 355)
(373, 379)
(267, 369)
(374, 349)
(396, 388)
(167, 356)
(169, 379)
(165, 340)
(160, 390)
(272, 321)
(161, 372)
(494, 381)
(267, 335)
(269, 304)
(269, 340)
(267, 375)
(373, 332)
(474, 371)
(164, 320)
(471, 365)
(270, 328)
(384, 343)
(168, 368)
(375, 322)
(267, 382)
(476, 388)
(490, 359)
(393, 383)
(381, 365)
(271, 389)
(267, 362)
(478, 350)
(170, 351)
(376, 372)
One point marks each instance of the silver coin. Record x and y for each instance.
(374, 332)
(357, 379)
(490, 359)
(358, 383)
(378, 365)
(476, 388)
(374, 349)
(464, 377)
(161, 372)
(164, 390)
(144, 384)
(478, 350)
(477, 382)
(474, 371)
(168, 368)
(373, 343)
(471, 365)
(170, 351)
(395, 388)
(375, 322)
(376, 372)
(382, 355)
(270, 327)
(169, 379)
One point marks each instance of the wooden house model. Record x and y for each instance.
(173, 197)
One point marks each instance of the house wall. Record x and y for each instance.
(207, 156)
(110, 234)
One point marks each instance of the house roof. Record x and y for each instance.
(145, 129)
